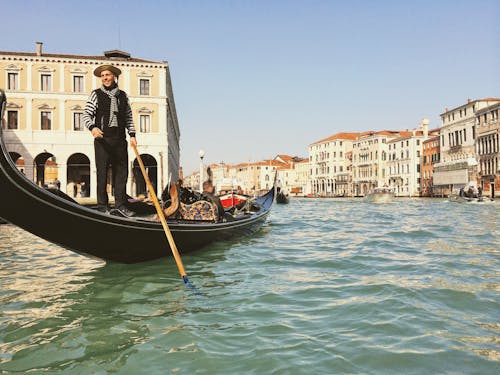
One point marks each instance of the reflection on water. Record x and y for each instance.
(327, 284)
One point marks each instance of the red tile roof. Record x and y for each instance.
(342, 136)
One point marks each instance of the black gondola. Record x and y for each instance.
(105, 236)
(281, 197)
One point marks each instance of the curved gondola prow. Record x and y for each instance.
(3, 104)
(275, 184)
(3, 101)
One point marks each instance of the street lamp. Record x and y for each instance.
(201, 154)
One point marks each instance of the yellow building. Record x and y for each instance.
(46, 95)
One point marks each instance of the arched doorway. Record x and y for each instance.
(18, 161)
(45, 170)
(152, 170)
(78, 175)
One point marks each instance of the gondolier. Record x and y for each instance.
(108, 115)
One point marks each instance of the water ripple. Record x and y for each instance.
(326, 286)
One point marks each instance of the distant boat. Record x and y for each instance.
(282, 198)
(457, 198)
(230, 193)
(380, 195)
(232, 199)
(469, 193)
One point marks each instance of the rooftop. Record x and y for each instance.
(114, 55)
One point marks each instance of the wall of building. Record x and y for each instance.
(66, 97)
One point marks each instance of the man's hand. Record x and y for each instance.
(97, 133)
(133, 142)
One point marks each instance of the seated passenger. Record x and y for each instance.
(209, 195)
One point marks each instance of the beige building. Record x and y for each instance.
(302, 171)
(458, 133)
(488, 149)
(369, 160)
(404, 161)
(253, 178)
(44, 132)
(293, 175)
(331, 160)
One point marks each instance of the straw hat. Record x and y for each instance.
(111, 68)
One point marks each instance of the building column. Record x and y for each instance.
(61, 117)
(62, 176)
(29, 114)
(61, 77)
(29, 68)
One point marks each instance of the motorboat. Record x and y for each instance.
(380, 195)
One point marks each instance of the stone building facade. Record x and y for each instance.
(458, 132)
(488, 149)
(44, 132)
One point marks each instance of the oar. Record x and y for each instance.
(161, 215)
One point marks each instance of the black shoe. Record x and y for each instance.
(103, 209)
(123, 211)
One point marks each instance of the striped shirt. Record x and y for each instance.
(90, 111)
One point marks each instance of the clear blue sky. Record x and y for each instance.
(256, 78)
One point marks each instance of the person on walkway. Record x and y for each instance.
(108, 115)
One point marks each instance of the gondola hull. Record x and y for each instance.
(104, 236)
(282, 198)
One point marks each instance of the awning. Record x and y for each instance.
(455, 177)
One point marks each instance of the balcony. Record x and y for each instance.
(456, 148)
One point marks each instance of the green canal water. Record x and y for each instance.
(325, 287)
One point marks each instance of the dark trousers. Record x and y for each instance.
(111, 151)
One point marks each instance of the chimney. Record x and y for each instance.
(425, 127)
(39, 48)
(469, 100)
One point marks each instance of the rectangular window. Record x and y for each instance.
(46, 120)
(46, 82)
(78, 121)
(13, 79)
(144, 87)
(465, 135)
(78, 84)
(145, 123)
(12, 119)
